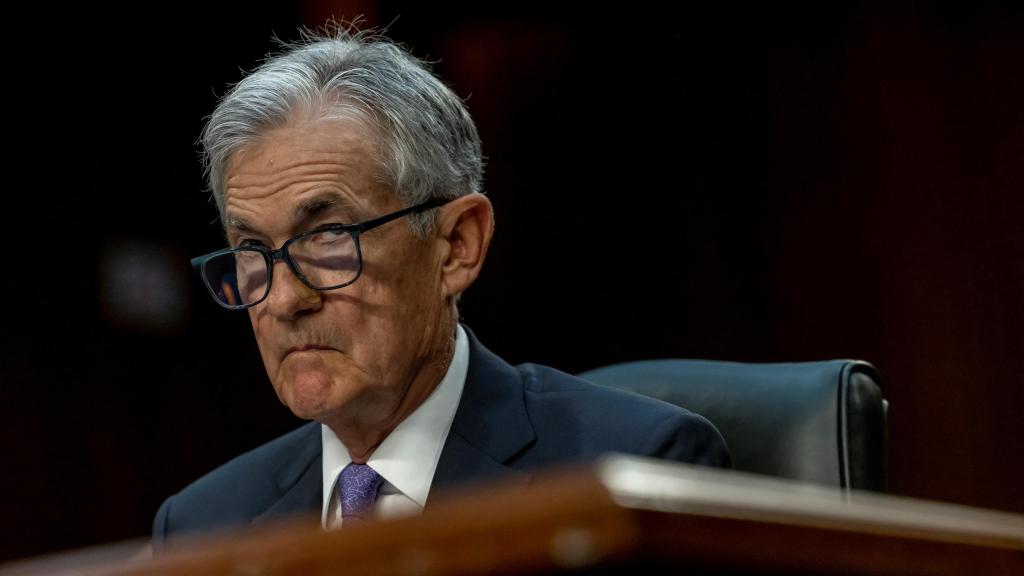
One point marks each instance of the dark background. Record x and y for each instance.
(759, 184)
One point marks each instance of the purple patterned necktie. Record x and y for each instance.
(359, 487)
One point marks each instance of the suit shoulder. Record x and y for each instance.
(549, 385)
(257, 464)
(573, 415)
(233, 492)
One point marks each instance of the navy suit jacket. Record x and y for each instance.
(511, 421)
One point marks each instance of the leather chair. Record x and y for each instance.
(821, 422)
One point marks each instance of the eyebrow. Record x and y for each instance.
(313, 207)
(304, 212)
(239, 224)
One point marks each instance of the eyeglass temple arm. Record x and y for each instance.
(432, 203)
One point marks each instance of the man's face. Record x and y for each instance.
(350, 353)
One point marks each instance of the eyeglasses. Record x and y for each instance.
(326, 258)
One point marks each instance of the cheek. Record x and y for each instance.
(263, 339)
(416, 280)
(423, 291)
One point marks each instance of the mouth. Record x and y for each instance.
(306, 348)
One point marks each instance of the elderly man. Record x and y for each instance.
(348, 180)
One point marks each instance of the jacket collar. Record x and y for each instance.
(491, 425)
(298, 477)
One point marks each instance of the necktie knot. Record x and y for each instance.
(359, 487)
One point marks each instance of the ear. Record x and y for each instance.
(465, 227)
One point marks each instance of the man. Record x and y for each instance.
(348, 181)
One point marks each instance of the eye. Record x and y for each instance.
(327, 236)
(249, 242)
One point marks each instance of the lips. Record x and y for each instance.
(306, 348)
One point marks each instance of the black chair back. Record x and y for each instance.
(821, 422)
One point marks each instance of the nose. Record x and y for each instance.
(289, 297)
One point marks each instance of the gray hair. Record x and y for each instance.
(428, 143)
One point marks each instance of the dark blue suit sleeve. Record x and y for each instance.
(687, 437)
(160, 525)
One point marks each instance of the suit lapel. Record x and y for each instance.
(491, 425)
(299, 479)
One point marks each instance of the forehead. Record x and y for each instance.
(295, 165)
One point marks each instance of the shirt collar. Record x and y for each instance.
(408, 457)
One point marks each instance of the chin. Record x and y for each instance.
(310, 396)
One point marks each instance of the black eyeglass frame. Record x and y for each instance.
(271, 256)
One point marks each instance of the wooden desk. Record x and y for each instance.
(621, 514)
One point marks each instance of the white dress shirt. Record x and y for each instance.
(408, 457)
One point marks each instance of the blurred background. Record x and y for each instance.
(774, 183)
